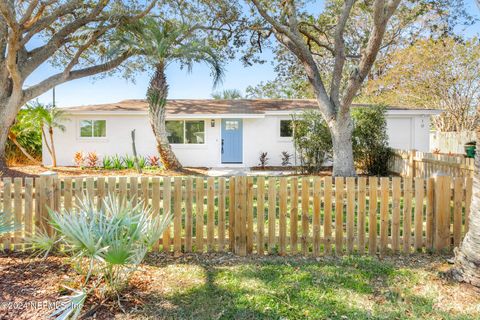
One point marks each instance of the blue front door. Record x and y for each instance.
(232, 140)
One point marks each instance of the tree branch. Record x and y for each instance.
(381, 16)
(339, 53)
(45, 85)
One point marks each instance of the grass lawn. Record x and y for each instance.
(216, 286)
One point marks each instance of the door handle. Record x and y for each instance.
(222, 145)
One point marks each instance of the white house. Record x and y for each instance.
(211, 133)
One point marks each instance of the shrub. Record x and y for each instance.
(91, 160)
(117, 162)
(79, 159)
(104, 245)
(154, 161)
(263, 159)
(370, 140)
(286, 158)
(142, 162)
(107, 162)
(129, 162)
(312, 140)
(372, 155)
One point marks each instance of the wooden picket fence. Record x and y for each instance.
(422, 164)
(311, 216)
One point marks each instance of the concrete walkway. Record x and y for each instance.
(227, 172)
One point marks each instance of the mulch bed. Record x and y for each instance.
(35, 171)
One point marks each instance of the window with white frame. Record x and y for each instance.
(186, 131)
(93, 128)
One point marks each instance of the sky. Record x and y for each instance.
(195, 85)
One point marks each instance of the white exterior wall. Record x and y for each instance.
(260, 134)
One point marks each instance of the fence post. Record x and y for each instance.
(47, 199)
(411, 163)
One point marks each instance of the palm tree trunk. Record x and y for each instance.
(157, 99)
(467, 257)
(13, 138)
(54, 156)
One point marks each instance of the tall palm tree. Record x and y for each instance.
(52, 118)
(163, 43)
(467, 257)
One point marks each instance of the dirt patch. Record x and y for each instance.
(35, 171)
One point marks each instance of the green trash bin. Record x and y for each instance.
(470, 149)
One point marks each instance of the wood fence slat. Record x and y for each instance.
(155, 199)
(361, 199)
(283, 217)
(350, 214)
(384, 208)
(316, 215)
(7, 209)
(457, 210)
(468, 201)
(418, 217)
(177, 219)
(429, 230)
(261, 215)
(122, 189)
(294, 215)
(28, 208)
(272, 212)
(249, 211)
(210, 214)
(167, 211)
(231, 213)
(89, 183)
(327, 182)
(144, 192)
(339, 196)
(407, 214)
(241, 216)
(221, 214)
(133, 190)
(442, 214)
(372, 215)
(67, 194)
(199, 214)
(396, 199)
(305, 214)
(18, 211)
(112, 185)
(188, 214)
(38, 204)
(100, 192)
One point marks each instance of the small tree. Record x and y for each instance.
(49, 117)
(163, 42)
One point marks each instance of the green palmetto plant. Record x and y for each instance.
(104, 245)
(6, 224)
(161, 43)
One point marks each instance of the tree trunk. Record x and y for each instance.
(157, 99)
(8, 112)
(341, 130)
(54, 156)
(467, 256)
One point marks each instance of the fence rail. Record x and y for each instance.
(421, 164)
(311, 216)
